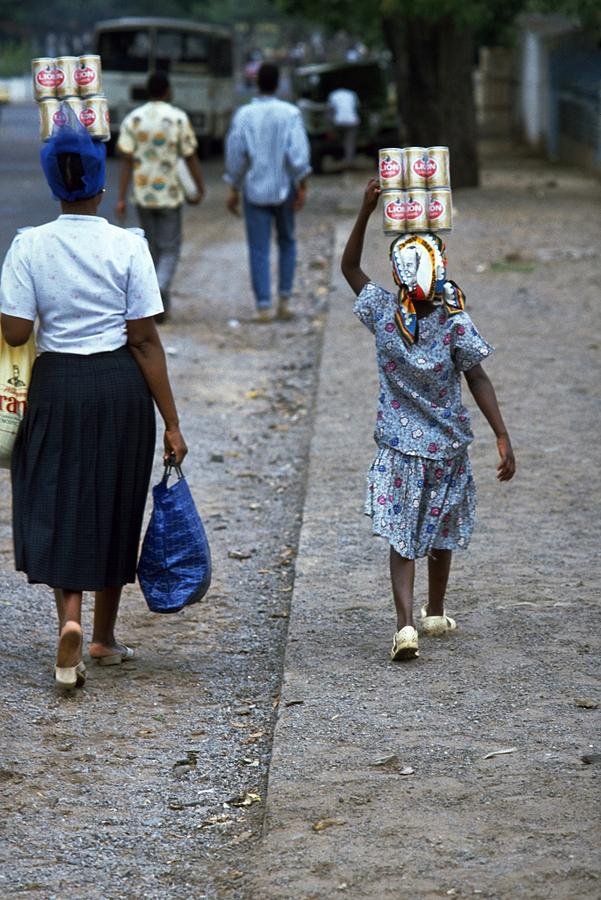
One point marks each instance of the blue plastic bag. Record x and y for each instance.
(174, 568)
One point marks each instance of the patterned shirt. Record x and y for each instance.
(157, 134)
(420, 411)
(267, 150)
(83, 279)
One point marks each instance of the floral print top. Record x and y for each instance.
(420, 411)
(157, 134)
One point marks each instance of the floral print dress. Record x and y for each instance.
(420, 489)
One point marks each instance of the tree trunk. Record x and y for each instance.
(433, 64)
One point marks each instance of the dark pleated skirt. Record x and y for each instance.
(80, 470)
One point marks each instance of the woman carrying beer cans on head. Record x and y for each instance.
(416, 189)
(76, 82)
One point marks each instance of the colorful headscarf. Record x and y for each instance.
(419, 270)
(70, 136)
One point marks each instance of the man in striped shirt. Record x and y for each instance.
(267, 158)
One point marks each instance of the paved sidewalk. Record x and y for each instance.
(351, 724)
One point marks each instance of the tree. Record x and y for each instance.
(433, 45)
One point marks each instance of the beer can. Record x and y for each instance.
(416, 210)
(393, 211)
(43, 70)
(440, 210)
(88, 75)
(47, 110)
(439, 174)
(94, 116)
(415, 167)
(53, 113)
(391, 168)
(65, 76)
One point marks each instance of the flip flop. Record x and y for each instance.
(115, 659)
(405, 644)
(435, 626)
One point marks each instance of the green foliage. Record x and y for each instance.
(15, 58)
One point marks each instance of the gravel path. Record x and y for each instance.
(152, 781)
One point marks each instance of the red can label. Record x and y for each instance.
(389, 168)
(46, 78)
(395, 210)
(425, 167)
(59, 118)
(435, 209)
(87, 117)
(414, 209)
(85, 75)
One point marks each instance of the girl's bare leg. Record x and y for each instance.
(106, 607)
(439, 566)
(402, 576)
(68, 607)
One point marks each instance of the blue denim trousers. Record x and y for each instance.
(258, 234)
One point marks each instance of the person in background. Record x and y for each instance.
(267, 159)
(83, 455)
(343, 108)
(152, 139)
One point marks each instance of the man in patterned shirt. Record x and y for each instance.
(151, 140)
(267, 156)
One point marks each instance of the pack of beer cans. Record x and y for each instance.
(415, 188)
(75, 82)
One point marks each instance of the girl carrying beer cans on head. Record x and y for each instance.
(420, 489)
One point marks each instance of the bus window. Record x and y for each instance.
(124, 51)
(220, 56)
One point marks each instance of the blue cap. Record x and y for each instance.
(70, 136)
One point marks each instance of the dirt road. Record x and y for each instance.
(152, 781)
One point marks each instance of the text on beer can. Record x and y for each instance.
(391, 167)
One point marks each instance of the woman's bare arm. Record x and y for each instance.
(15, 331)
(145, 345)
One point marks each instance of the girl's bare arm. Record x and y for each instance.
(147, 350)
(351, 258)
(483, 393)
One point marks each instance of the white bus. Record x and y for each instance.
(197, 58)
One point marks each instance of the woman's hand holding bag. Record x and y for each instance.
(174, 569)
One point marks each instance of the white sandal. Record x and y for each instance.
(115, 659)
(435, 626)
(405, 644)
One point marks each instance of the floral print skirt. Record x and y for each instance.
(419, 504)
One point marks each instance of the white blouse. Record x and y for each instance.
(83, 278)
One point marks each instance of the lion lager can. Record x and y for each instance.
(416, 166)
(391, 168)
(440, 210)
(47, 110)
(416, 210)
(43, 70)
(439, 175)
(66, 85)
(94, 116)
(393, 211)
(88, 76)
(53, 113)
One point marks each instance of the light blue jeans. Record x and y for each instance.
(258, 234)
